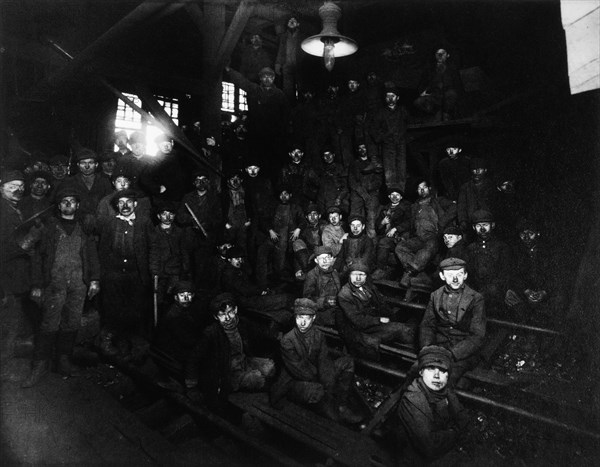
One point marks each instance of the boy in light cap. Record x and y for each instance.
(322, 285)
(309, 375)
(431, 417)
(455, 318)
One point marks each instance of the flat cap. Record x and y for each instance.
(304, 306)
(129, 193)
(11, 176)
(434, 355)
(266, 71)
(221, 301)
(41, 174)
(65, 192)
(478, 163)
(357, 217)
(183, 286)
(452, 230)
(395, 189)
(85, 153)
(322, 250)
(359, 265)
(452, 263)
(390, 86)
(312, 207)
(481, 215)
(332, 209)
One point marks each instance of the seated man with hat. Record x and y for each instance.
(430, 415)
(308, 240)
(230, 355)
(455, 318)
(309, 375)
(322, 285)
(364, 321)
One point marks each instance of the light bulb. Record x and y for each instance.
(329, 55)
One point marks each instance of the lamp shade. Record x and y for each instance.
(329, 36)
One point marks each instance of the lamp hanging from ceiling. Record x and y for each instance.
(329, 43)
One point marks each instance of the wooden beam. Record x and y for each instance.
(232, 35)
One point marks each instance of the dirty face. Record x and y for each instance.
(39, 187)
(121, 183)
(184, 298)
(252, 170)
(324, 261)
(358, 278)
(435, 378)
(228, 317)
(356, 227)
(484, 229)
(13, 191)
(166, 218)
(68, 205)
(450, 240)
(454, 278)
(335, 218)
(126, 206)
(304, 322)
(87, 166)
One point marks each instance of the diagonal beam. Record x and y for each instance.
(233, 33)
(164, 120)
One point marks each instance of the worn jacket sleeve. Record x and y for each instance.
(428, 325)
(354, 312)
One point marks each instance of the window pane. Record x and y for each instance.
(243, 101)
(228, 97)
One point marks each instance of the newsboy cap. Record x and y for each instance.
(85, 153)
(481, 215)
(434, 355)
(452, 263)
(322, 250)
(357, 217)
(266, 71)
(183, 286)
(478, 163)
(65, 192)
(452, 230)
(332, 209)
(395, 189)
(221, 301)
(304, 306)
(11, 176)
(359, 265)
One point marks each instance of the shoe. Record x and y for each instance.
(39, 370)
(347, 415)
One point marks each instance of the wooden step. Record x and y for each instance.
(335, 441)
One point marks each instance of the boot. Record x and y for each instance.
(41, 359)
(64, 349)
(106, 345)
(39, 370)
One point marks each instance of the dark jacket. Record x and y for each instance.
(167, 258)
(301, 179)
(431, 424)
(14, 261)
(143, 240)
(472, 197)
(321, 285)
(237, 282)
(302, 362)
(207, 209)
(445, 211)
(45, 255)
(463, 337)
(361, 314)
(166, 170)
(399, 218)
(210, 360)
(88, 198)
(355, 248)
(490, 262)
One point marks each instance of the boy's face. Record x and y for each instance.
(434, 378)
(450, 240)
(313, 217)
(228, 317)
(184, 298)
(529, 237)
(324, 261)
(304, 322)
(453, 152)
(166, 217)
(356, 227)
(395, 197)
(483, 229)
(335, 218)
(454, 278)
(236, 262)
(358, 278)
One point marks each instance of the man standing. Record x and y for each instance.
(65, 270)
(39, 195)
(289, 57)
(124, 248)
(388, 130)
(14, 260)
(164, 177)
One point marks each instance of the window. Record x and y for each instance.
(130, 120)
(233, 101)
